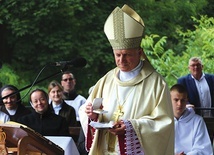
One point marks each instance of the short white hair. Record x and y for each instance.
(195, 59)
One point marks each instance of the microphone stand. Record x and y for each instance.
(30, 85)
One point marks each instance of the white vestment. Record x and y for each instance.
(76, 104)
(146, 104)
(4, 117)
(191, 135)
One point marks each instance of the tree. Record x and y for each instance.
(38, 32)
(198, 42)
(35, 33)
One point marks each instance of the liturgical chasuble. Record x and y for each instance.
(146, 105)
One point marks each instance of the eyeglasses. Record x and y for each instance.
(195, 65)
(69, 79)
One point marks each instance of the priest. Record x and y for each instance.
(135, 97)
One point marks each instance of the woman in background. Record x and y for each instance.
(58, 105)
(42, 120)
(12, 105)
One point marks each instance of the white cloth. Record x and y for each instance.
(66, 143)
(4, 117)
(126, 76)
(76, 104)
(11, 112)
(204, 95)
(57, 108)
(191, 135)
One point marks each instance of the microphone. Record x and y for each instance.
(78, 62)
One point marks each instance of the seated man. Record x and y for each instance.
(191, 135)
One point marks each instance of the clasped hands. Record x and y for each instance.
(118, 128)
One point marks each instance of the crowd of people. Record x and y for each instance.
(149, 118)
(50, 113)
(53, 101)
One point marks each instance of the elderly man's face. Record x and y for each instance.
(127, 59)
(195, 68)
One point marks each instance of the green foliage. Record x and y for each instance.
(38, 32)
(9, 76)
(164, 16)
(160, 58)
(199, 42)
(34, 33)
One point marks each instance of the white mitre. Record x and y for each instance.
(124, 28)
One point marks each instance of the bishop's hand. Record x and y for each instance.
(89, 111)
(118, 128)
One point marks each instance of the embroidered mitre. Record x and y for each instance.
(124, 28)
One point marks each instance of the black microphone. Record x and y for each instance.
(78, 62)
